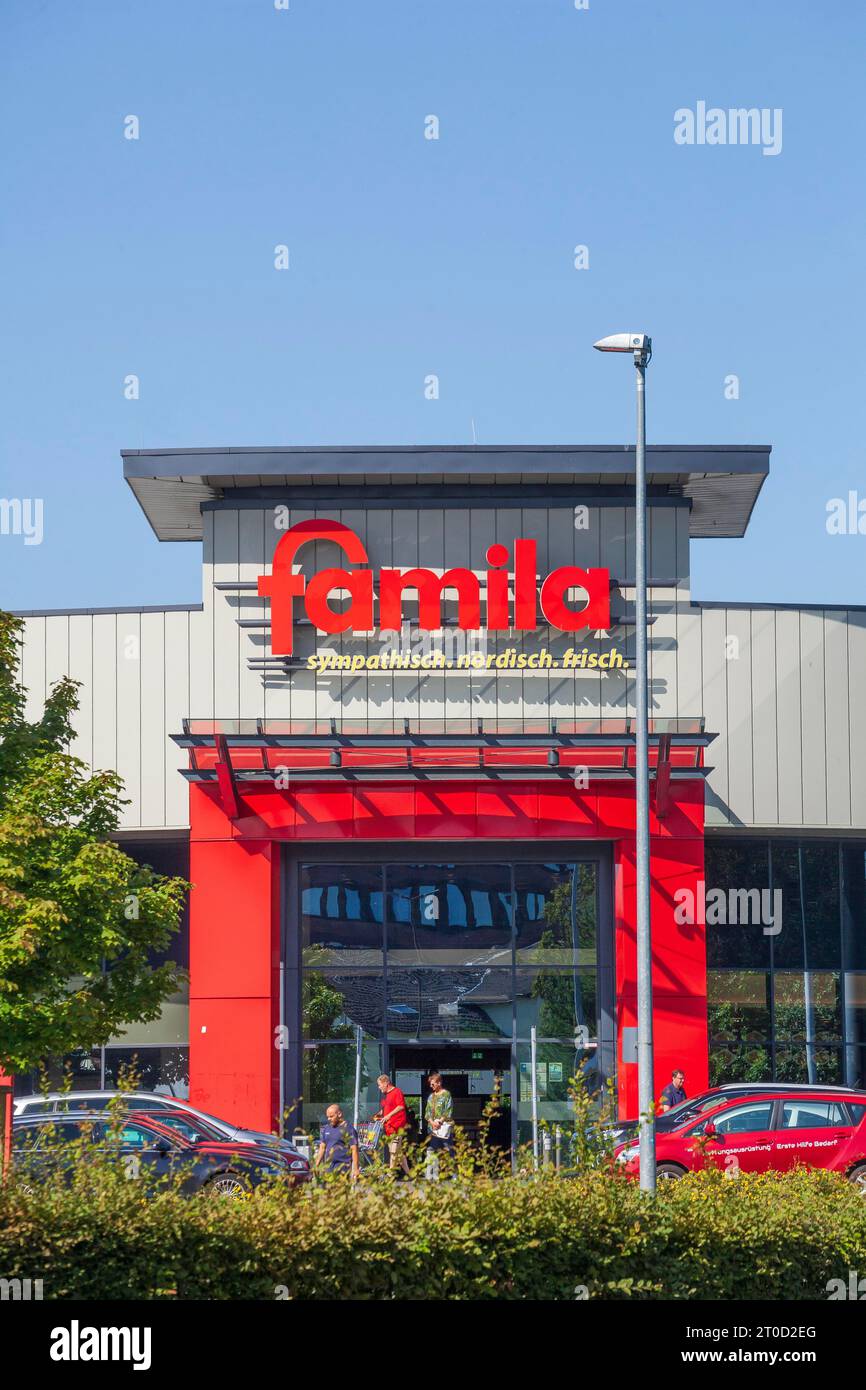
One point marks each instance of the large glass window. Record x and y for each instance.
(738, 892)
(802, 1016)
(807, 877)
(853, 861)
(164, 1069)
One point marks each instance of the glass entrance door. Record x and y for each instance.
(403, 957)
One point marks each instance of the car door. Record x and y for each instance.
(810, 1132)
(743, 1138)
(144, 1153)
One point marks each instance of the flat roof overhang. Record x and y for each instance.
(721, 483)
(260, 754)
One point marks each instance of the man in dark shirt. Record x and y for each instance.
(338, 1143)
(674, 1093)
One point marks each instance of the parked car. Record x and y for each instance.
(68, 1103)
(149, 1148)
(773, 1130)
(621, 1130)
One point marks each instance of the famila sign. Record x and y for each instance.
(506, 576)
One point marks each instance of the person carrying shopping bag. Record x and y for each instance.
(439, 1114)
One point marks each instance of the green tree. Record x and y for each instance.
(79, 919)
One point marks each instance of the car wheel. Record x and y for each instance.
(666, 1172)
(858, 1177)
(227, 1185)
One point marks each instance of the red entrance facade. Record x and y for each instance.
(240, 822)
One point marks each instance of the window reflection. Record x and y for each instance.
(556, 913)
(341, 914)
(449, 1003)
(449, 914)
(335, 1005)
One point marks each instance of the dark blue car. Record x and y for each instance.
(148, 1149)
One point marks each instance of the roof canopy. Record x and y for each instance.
(172, 485)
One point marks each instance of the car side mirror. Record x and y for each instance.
(162, 1146)
(710, 1131)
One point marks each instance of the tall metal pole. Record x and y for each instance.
(533, 1062)
(646, 1096)
(359, 1048)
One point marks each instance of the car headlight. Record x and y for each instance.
(628, 1153)
(299, 1165)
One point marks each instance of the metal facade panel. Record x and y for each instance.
(715, 687)
(765, 741)
(813, 715)
(201, 654)
(690, 663)
(153, 724)
(790, 726)
(740, 731)
(56, 649)
(857, 713)
(837, 750)
(81, 670)
(178, 648)
(129, 749)
(105, 709)
(32, 666)
(249, 607)
(229, 645)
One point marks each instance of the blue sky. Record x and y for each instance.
(411, 256)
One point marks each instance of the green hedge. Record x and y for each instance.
(706, 1237)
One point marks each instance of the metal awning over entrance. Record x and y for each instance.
(239, 754)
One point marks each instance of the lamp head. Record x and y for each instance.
(640, 344)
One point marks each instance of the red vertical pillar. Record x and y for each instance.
(234, 968)
(679, 950)
(5, 1120)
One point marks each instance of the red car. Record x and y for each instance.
(771, 1132)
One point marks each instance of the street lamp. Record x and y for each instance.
(640, 346)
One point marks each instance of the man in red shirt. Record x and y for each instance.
(396, 1120)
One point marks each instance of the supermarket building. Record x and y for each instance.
(406, 802)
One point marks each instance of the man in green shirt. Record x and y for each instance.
(439, 1114)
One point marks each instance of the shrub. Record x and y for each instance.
(705, 1237)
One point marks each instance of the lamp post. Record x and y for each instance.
(640, 346)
